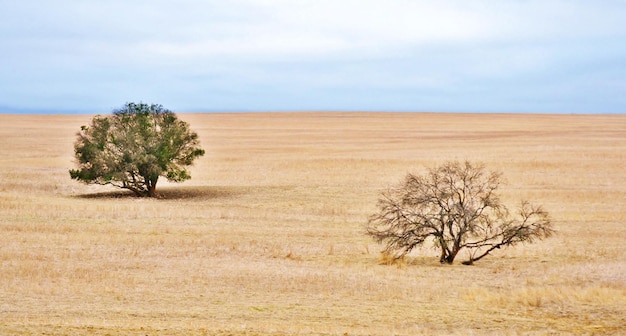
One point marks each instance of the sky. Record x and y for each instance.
(531, 56)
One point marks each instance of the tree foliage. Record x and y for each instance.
(456, 206)
(133, 147)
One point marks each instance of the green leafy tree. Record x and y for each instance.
(456, 206)
(133, 147)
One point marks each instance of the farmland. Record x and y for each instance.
(267, 237)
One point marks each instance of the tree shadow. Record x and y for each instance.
(174, 193)
(200, 192)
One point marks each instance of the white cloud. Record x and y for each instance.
(319, 28)
(378, 22)
(282, 30)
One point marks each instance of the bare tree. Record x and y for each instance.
(456, 206)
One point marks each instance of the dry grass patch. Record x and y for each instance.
(267, 238)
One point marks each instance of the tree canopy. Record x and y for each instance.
(456, 206)
(133, 147)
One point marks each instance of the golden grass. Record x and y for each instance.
(267, 238)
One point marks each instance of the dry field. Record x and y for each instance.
(267, 238)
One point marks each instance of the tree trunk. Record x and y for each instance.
(448, 258)
(152, 186)
(444, 253)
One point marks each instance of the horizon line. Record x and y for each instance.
(243, 111)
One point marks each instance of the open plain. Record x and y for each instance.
(267, 237)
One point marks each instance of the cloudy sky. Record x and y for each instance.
(282, 55)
